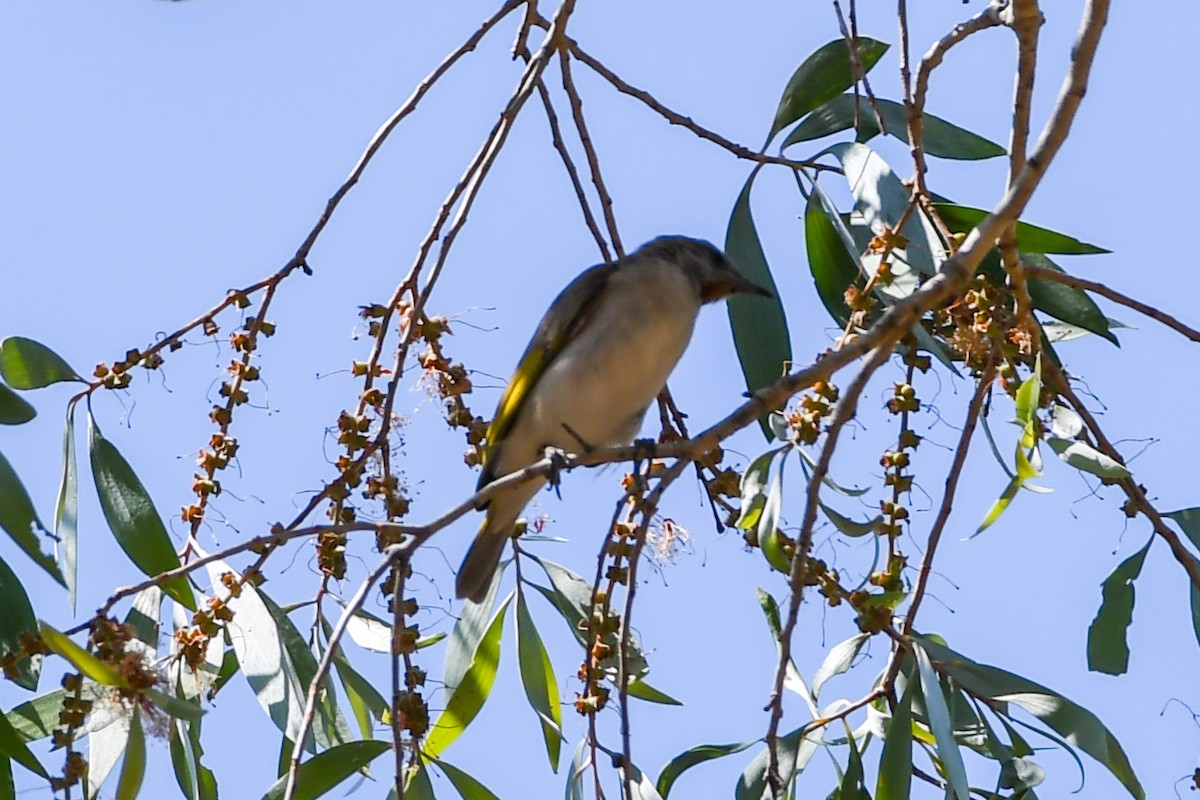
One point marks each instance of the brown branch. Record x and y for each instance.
(1133, 490)
(1042, 273)
(856, 66)
(675, 118)
(845, 412)
(943, 515)
(606, 203)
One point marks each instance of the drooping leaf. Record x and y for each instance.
(472, 624)
(852, 787)
(14, 410)
(26, 364)
(12, 745)
(849, 526)
(579, 763)
(368, 704)
(195, 779)
(1195, 601)
(261, 656)
(106, 743)
(324, 771)
(644, 691)
(939, 723)
(833, 267)
(793, 757)
(17, 618)
(66, 528)
(754, 489)
(690, 758)
(838, 660)
(537, 678)
(1188, 520)
(82, 660)
(941, 138)
(1085, 458)
(895, 764)
(133, 768)
(1000, 505)
(132, 517)
(1030, 238)
(770, 539)
(640, 785)
(417, 784)
(467, 787)
(1076, 724)
(20, 520)
(822, 76)
(187, 710)
(759, 324)
(1066, 303)
(467, 696)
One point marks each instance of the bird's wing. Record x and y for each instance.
(567, 315)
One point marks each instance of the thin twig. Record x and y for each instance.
(1042, 273)
(856, 65)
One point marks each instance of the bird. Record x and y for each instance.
(599, 357)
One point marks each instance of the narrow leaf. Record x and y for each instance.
(466, 786)
(821, 77)
(324, 771)
(941, 138)
(1085, 458)
(14, 410)
(537, 677)
(26, 364)
(833, 267)
(1188, 520)
(1066, 303)
(175, 706)
(895, 764)
(1001, 505)
(1030, 238)
(839, 659)
(13, 746)
(759, 324)
(83, 661)
(753, 783)
(17, 619)
(939, 723)
(131, 516)
(690, 758)
(20, 520)
(644, 691)
(133, 769)
(66, 527)
(468, 696)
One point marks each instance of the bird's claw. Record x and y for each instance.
(558, 462)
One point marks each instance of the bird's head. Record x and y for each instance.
(715, 275)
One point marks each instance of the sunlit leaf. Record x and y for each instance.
(690, 758)
(324, 771)
(26, 364)
(849, 526)
(196, 780)
(1001, 504)
(466, 786)
(579, 763)
(838, 660)
(939, 723)
(133, 768)
(852, 787)
(467, 696)
(17, 618)
(175, 706)
(759, 324)
(833, 267)
(822, 76)
(537, 678)
(644, 691)
(368, 704)
(82, 660)
(895, 764)
(941, 138)
(1085, 458)
(753, 783)
(13, 746)
(1188, 520)
(640, 785)
(14, 410)
(106, 743)
(132, 517)
(20, 520)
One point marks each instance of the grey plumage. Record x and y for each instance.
(601, 354)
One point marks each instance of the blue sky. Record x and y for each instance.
(156, 154)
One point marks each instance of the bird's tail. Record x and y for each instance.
(475, 574)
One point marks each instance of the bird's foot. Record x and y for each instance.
(558, 462)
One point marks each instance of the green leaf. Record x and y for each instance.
(1076, 724)
(13, 746)
(759, 324)
(1066, 303)
(17, 618)
(644, 691)
(1188, 520)
(464, 641)
(131, 516)
(769, 540)
(895, 764)
(196, 780)
(8, 790)
(1028, 394)
(467, 787)
(83, 661)
(640, 785)
(20, 520)
(174, 706)
(821, 77)
(26, 364)
(793, 756)
(469, 694)
(537, 677)
(324, 771)
(941, 138)
(66, 528)
(939, 723)
(838, 661)
(579, 763)
(368, 704)
(1195, 596)
(133, 768)
(417, 785)
(14, 410)
(833, 267)
(1001, 505)
(1030, 238)
(848, 526)
(690, 758)
(852, 787)
(1085, 458)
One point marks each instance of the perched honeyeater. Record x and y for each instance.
(600, 356)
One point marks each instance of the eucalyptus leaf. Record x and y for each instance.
(1030, 238)
(20, 520)
(692, 757)
(133, 768)
(822, 76)
(895, 764)
(26, 364)
(939, 723)
(468, 788)
(1188, 520)
(324, 771)
(66, 510)
(537, 678)
(12, 745)
(17, 618)
(1085, 458)
(13, 409)
(833, 267)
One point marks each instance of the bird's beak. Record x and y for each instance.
(740, 284)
